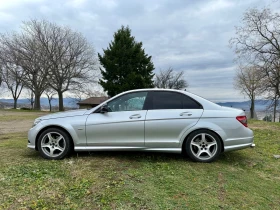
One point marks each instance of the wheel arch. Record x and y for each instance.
(186, 137)
(51, 126)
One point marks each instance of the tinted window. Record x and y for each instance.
(172, 100)
(128, 102)
(189, 103)
(166, 100)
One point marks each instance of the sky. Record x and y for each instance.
(187, 35)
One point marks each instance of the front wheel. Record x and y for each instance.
(203, 146)
(54, 144)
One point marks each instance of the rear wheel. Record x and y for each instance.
(203, 146)
(54, 144)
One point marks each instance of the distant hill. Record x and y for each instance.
(260, 105)
(67, 102)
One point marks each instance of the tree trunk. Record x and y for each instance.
(60, 101)
(15, 103)
(50, 104)
(32, 100)
(274, 111)
(37, 105)
(252, 109)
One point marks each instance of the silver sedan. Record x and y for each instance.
(158, 120)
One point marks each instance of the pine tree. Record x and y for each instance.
(126, 66)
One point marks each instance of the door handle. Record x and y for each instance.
(135, 116)
(186, 114)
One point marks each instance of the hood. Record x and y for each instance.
(71, 113)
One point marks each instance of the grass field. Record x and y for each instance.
(245, 179)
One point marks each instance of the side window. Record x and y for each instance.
(128, 102)
(189, 103)
(166, 100)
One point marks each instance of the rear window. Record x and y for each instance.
(172, 100)
(166, 100)
(189, 103)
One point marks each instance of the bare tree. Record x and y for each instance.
(270, 88)
(248, 81)
(257, 42)
(25, 51)
(50, 93)
(171, 80)
(275, 104)
(270, 76)
(12, 78)
(30, 98)
(71, 57)
(50, 55)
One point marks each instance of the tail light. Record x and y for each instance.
(242, 120)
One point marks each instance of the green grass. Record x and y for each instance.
(245, 179)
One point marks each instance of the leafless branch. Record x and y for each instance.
(169, 79)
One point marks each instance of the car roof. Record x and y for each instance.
(207, 105)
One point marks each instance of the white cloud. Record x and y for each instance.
(190, 36)
(76, 3)
(6, 4)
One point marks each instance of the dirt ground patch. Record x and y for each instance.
(14, 121)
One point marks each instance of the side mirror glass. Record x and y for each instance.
(104, 109)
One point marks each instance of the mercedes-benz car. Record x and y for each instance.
(161, 120)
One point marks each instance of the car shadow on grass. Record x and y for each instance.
(234, 157)
(132, 155)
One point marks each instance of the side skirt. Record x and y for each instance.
(89, 148)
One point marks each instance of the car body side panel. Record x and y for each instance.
(163, 128)
(116, 128)
(227, 122)
(233, 134)
(74, 125)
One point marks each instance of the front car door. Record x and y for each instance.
(170, 114)
(122, 125)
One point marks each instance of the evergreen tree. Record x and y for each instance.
(126, 66)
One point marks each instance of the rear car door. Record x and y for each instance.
(169, 115)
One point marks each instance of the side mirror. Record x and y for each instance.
(104, 109)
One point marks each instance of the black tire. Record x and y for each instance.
(54, 144)
(201, 149)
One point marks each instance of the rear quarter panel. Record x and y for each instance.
(224, 123)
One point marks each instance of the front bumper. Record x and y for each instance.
(30, 146)
(32, 133)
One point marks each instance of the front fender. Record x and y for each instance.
(75, 126)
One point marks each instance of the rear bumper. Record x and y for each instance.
(239, 143)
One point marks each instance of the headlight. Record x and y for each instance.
(36, 122)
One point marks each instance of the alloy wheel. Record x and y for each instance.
(53, 144)
(203, 146)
